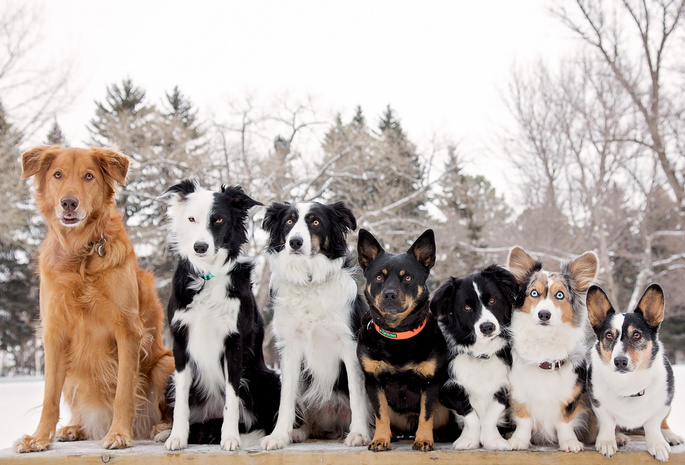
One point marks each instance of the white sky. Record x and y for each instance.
(440, 64)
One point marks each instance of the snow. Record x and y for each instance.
(20, 401)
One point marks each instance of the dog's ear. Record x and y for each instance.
(178, 192)
(583, 270)
(32, 161)
(273, 216)
(424, 249)
(521, 264)
(344, 216)
(368, 248)
(113, 163)
(652, 305)
(504, 280)
(238, 198)
(443, 298)
(598, 305)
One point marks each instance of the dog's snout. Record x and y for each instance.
(390, 294)
(544, 315)
(296, 243)
(200, 247)
(621, 363)
(69, 203)
(487, 328)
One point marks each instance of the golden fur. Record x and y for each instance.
(101, 317)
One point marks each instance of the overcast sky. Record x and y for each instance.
(441, 64)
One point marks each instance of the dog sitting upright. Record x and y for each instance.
(474, 313)
(629, 378)
(551, 338)
(401, 348)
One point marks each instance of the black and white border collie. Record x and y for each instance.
(630, 379)
(317, 312)
(474, 313)
(221, 381)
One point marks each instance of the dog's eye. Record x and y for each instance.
(637, 335)
(609, 336)
(191, 219)
(89, 177)
(407, 279)
(534, 293)
(219, 220)
(467, 308)
(289, 222)
(57, 175)
(316, 222)
(491, 301)
(379, 277)
(559, 295)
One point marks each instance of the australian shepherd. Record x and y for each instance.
(317, 312)
(221, 381)
(100, 315)
(551, 335)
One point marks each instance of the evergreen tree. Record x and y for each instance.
(56, 136)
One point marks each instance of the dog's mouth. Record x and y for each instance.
(70, 218)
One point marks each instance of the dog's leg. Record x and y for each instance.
(291, 364)
(230, 434)
(359, 425)
(672, 438)
(470, 435)
(606, 437)
(489, 434)
(424, 433)
(178, 439)
(55, 373)
(379, 403)
(656, 443)
(566, 435)
(520, 440)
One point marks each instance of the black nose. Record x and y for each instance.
(69, 203)
(296, 243)
(391, 295)
(544, 315)
(200, 247)
(621, 362)
(487, 328)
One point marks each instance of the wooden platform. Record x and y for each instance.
(326, 452)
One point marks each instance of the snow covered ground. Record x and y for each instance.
(21, 398)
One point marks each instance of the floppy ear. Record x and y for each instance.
(583, 270)
(33, 160)
(273, 216)
(652, 305)
(521, 264)
(178, 192)
(424, 249)
(344, 216)
(113, 163)
(238, 198)
(505, 281)
(598, 305)
(368, 248)
(442, 299)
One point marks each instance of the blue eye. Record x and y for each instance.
(559, 295)
(534, 293)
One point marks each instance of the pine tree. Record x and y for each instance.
(56, 136)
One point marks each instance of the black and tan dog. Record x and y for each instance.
(401, 349)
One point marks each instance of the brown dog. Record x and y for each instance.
(100, 315)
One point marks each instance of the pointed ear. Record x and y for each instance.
(32, 161)
(238, 198)
(178, 192)
(113, 163)
(652, 305)
(273, 216)
(344, 216)
(583, 270)
(598, 305)
(368, 248)
(424, 249)
(520, 263)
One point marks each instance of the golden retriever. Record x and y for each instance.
(101, 317)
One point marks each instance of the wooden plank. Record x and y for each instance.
(325, 452)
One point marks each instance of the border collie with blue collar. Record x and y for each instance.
(317, 312)
(474, 313)
(630, 380)
(221, 386)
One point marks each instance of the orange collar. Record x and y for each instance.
(403, 334)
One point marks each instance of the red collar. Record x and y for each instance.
(401, 335)
(555, 365)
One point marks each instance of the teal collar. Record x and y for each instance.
(207, 276)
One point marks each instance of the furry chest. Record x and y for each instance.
(482, 378)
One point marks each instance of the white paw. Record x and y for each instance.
(230, 443)
(162, 436)
(621, 439)
(517, 443)
(672, 438)
(176, 442)
(571, 445)
(300, 435)
(275, 441)
(496, 443)
(606, 448)
(356, 439)
(659, 450)
(466, 442)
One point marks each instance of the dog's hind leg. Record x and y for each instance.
(672, 438)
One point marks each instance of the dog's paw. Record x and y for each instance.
(659, 450)
(355, 439)
(31, 444)
(622, 439)
(606, 448)
(379, 444)
(70, 433)
(159, 428)
(672, 438)
(300, 434)
(116, 440)
(571, 445)
(230, 443)
(275, 441)
(517, 443)
(423, 444)
(496, 443)
(162, 436)
(466, 443)
(176, 442)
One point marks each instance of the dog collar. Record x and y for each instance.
(100, 243)
(474, 355)
(207, 276)
(400, 335)
(638, 394)
(555, 365)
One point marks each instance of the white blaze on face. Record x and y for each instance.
(486, 317)
(299, 239)
(191, 220)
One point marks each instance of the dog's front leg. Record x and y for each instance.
(656, 443)
(424, 433)
(359, 425)
(183, 378)
(520, 440)
(291, 364)
(381, 410)
(230, 434)
(55, 372)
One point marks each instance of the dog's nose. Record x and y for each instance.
(296, 243)
(621, 362)
(544, 315)
(390, 295)
(200, 247)
(487, 328)
(69, 203)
